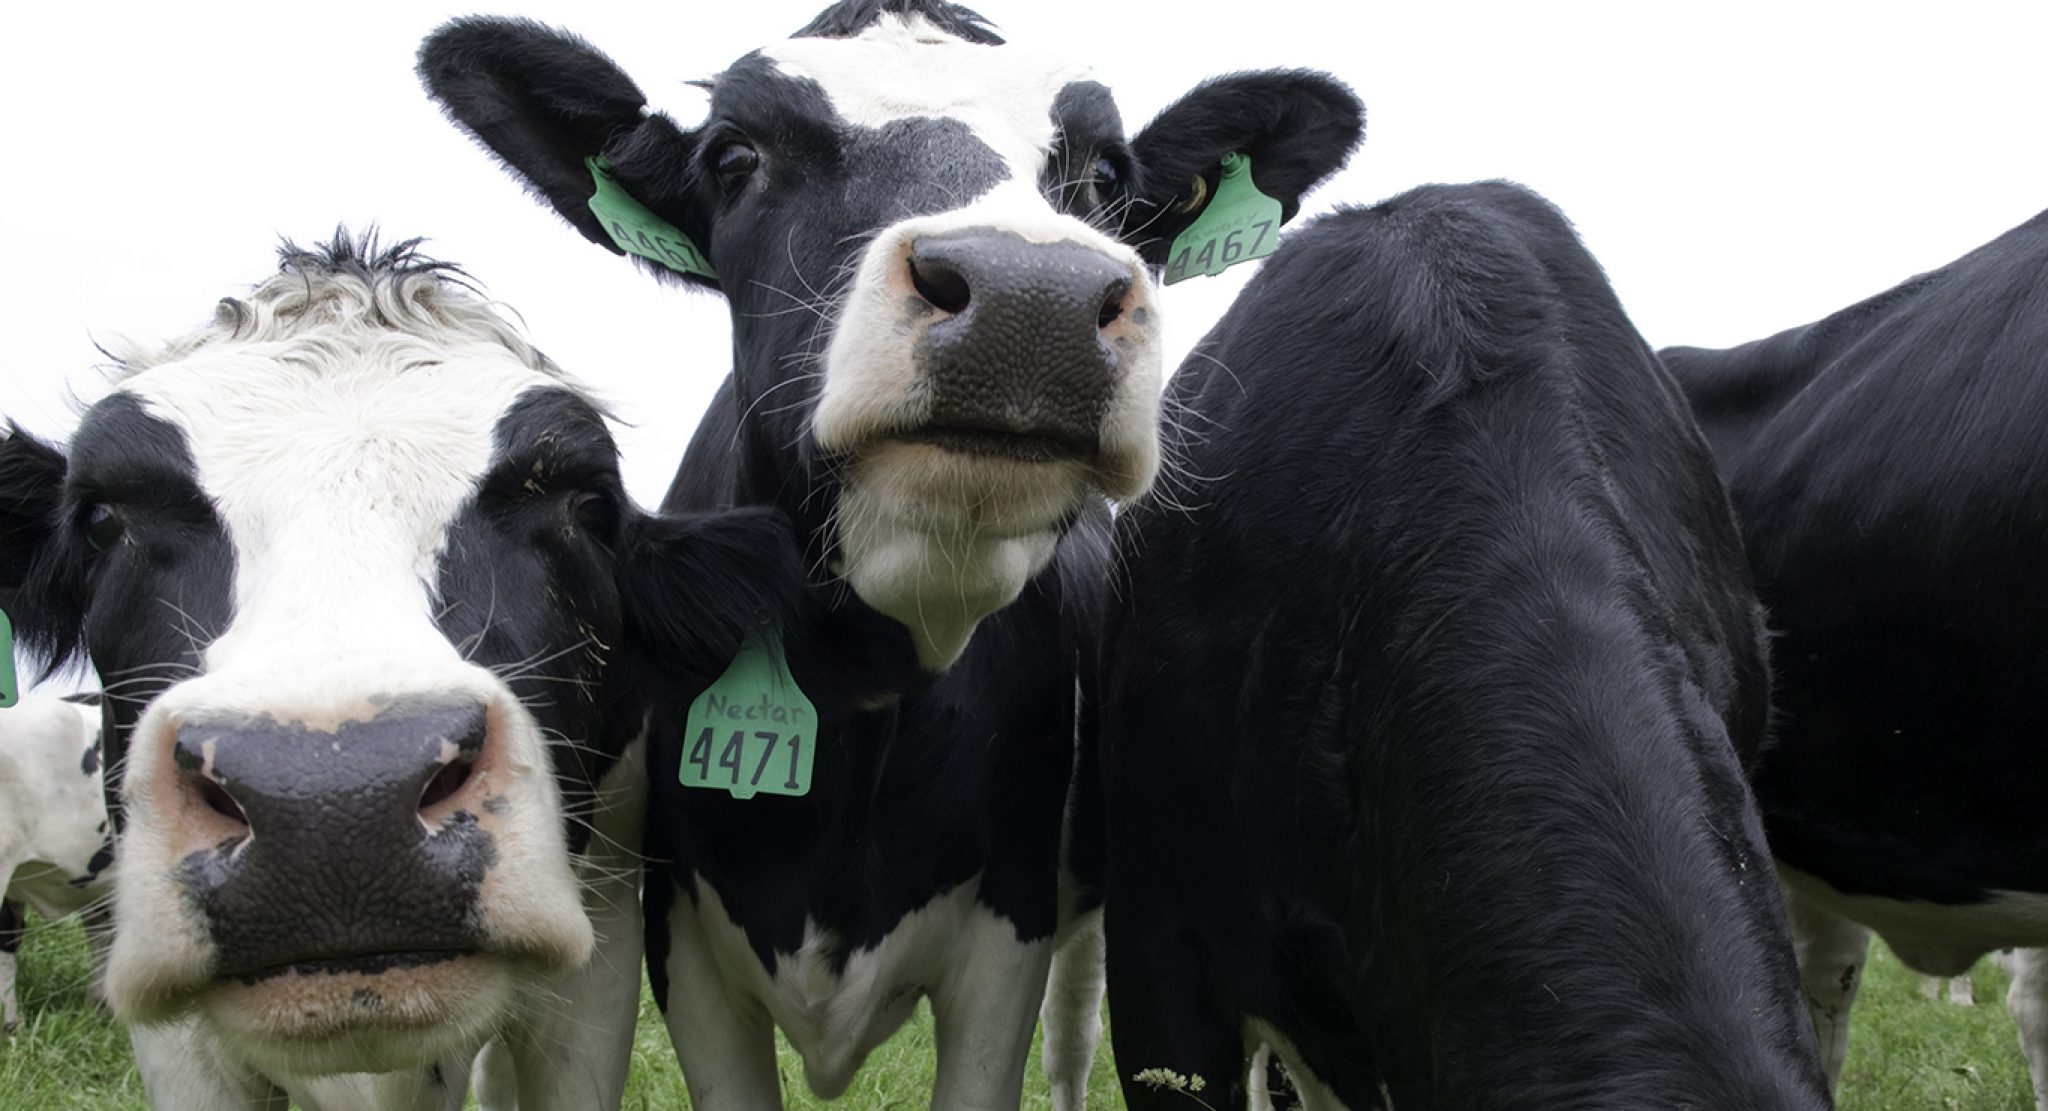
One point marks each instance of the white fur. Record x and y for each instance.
(338, 430)
(1071, 1015)
(1831, 932)
(1315, 1095)
(723, 1006)
(53, 819)
(940, 542)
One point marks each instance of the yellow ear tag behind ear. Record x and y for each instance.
(635, 227)
(752, 731)
(9, 692)
(1238, 225)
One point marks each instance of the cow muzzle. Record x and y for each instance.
(340, 883)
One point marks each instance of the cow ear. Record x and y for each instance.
(41, 587)
(1296, 126)
(547, 104)
(693, 585)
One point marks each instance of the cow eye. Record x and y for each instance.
(103, 527)
(734, 163)
(596, 514)
(1107, 177)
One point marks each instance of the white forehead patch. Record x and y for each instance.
(337, 469)
(907, 68)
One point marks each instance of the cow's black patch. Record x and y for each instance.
(1888, 468)
(1417, 734)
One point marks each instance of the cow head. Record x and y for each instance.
(371, 610)
(939, 251)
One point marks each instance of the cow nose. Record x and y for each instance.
(380, 777)
(1056, 283)
(338, 845)
(1031, 338)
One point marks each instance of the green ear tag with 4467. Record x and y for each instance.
(9, 692)
(1238, 224)
(753, 731)
(635, 227)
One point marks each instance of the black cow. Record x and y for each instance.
(380, 636)
(1423, 720)
(1889, 468)
(938, 251)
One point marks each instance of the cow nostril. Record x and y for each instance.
(448, 780)
(1112, 304)
(942, 286)
(220, 802)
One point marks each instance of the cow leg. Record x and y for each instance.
(983, 1013)
(724, 1040)
(1831, 951)
(494, 1078)
(1072, 1013)
(181, 1066)
(1168, 1032)
(2027, 1002)
(10, 949)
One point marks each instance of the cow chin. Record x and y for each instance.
(316, 1022)
(938, 539)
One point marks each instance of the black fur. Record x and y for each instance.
(1421, 726)
(964, 773)
(1888, 467)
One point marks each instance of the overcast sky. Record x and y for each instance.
(1738, 167)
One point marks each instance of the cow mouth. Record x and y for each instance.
(371, 964)
(1022, 447)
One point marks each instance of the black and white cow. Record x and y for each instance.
(938, 252)
(1423, 720)
(379, 633)
(1889, 469)
(54, 847)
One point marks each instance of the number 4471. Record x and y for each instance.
(732, 758)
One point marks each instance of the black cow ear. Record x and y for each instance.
(31, 489)
(693, 585)
(548, 105)
(1296, 126)
(42, 588)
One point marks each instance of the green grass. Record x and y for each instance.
(1908, 1053)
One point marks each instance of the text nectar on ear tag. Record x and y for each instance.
(9, 692)
(752, 731)
(635, 227)
(1238, 224)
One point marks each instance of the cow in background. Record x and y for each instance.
(1424, 719)
(1890, 472)
(54, 845)
(382, 633)
(938, 249)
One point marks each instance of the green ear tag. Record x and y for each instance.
(1238, 225)
(637, 230)
(753, 731)
(9, 692)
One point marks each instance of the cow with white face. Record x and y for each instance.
(355, 562)
(54, 851)
(939, 250)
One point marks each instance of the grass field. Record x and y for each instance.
(1909, 1053)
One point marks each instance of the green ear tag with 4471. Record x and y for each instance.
(635, 227)
(1238, 224)
(753, 731)
(9, 692)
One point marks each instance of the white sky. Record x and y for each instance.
(1739, 167)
